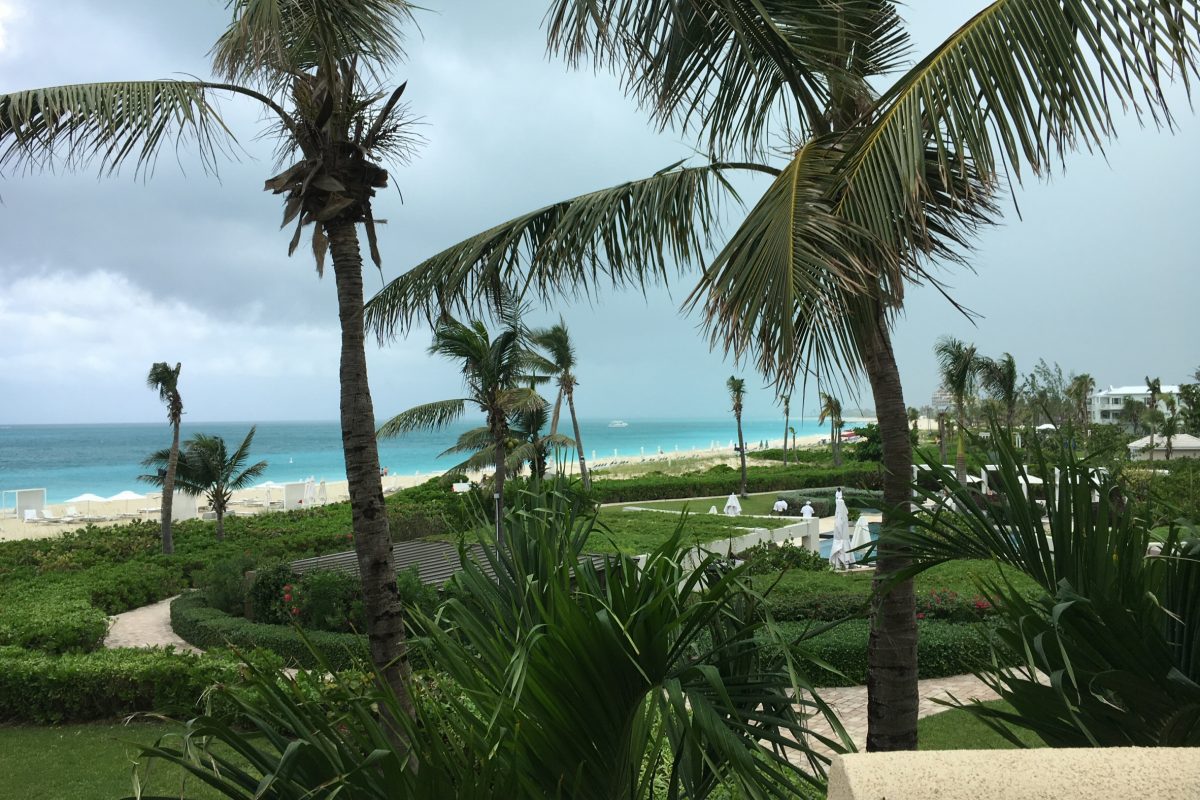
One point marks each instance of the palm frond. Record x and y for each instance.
(429, 416)
(633, 234)
(268, 41)
(72, 127)
(1016, 87)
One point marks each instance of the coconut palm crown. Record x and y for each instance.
(869, 186)
(559, 363)
(316, 69)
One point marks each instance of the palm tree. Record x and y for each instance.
(958, 366)
(737, 393)
(1080, 391)
(207, 468)
(1134, 414)
(873, 185)
(1169, 427)
(831, 409)
(793, 432)
(314, 70)
(560, 364)
(914, 417)
(165, 380)
(941, 421)
(999, 379)
(786, 399)
(1155, 389)
(496, 372)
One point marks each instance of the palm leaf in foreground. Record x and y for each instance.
(1108, 653)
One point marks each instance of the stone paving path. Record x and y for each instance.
(148, 626)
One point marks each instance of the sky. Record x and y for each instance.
(100, 277)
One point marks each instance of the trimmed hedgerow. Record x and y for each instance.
(41, 688)
(51, 619)
(943, 648)
(209, 628)
(709, 484)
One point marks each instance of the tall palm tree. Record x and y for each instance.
(207, 468)
(560, 364)
(914, 416)
(958, 366)
(737, 394)
(1155, 389)
(793, 432)
(314, 68)
(1134, 413)
(786, 399)
(1169, 427)
(873, 184)
(941, 422)
(165, 380)
(999, 379)
(497, 373)
(831, 409)
(1080, 391)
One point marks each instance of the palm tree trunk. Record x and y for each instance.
(960, 456)
(557, 408)
(498, 488)
(742, 452)
(220, 512)
(941, 420)
(786, 426)
(168, 496)
(833, 442)
(372, 540)
(892, 646)
(583, 471)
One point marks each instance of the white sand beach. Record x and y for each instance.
(268, 500)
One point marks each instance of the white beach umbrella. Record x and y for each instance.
(125, 498)
(88, 498)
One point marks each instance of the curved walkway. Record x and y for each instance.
(150, 626)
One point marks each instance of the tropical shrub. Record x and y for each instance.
(329, 601)
(41, 688)
(224, 583)
(45, 618)
(758, 479)
(772, 557)
(267, 594)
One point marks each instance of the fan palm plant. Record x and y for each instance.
(555, 341)
(737, 395)
(872, 185)
(206, 467)
(999, 379)
(959, 366)
(831, 409)
(1107, 650)
(315, 69)
(165, 380)
(497, 372)
(556, 679)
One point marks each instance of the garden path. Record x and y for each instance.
(148, 626)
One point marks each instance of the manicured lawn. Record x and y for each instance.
(959, 730)
(87, 762)
(754, 504)
(636, 532)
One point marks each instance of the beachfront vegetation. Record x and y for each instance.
(831, 409)
(958, 366)
(500, 378)
(737, 396)
(559, 363)
(1112, 620)
(875, 184)
(206, 467)
(165, 380)
(314, 70)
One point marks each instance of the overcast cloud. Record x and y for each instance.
(101, 277)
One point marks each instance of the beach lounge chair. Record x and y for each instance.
(47, 516)
(71, 514)
(31, 515)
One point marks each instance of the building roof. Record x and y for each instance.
(1182, 441)
(1139, 388)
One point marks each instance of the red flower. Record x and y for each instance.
(920, 616)
(287, 598)
(295, 611)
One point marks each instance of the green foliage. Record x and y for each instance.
(823, 500)
(209, 628)
(771, 557)
(330, 601)
(224, 583)
(267, 592)
(758, 479)
(38, 687)
(50, 617)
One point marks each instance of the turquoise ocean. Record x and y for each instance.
(69, 460)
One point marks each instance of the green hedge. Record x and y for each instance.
(209, 628)
(50, 616)
(823, 499)
(943, 648)
(41, 688)
(709, 484)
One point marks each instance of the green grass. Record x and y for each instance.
(754, 504)
(955, 576)
(636, 532)
(87, 762)
(960, 730)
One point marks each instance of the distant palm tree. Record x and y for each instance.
(496, 371)
(914, 417)
(1155, 389)
(1080, 390)
(737, 393)
(1170, 427)
(165, 380)
(941, 421)
(1133, 413)
(793, 432)
(999, 379)
(958, 366)
(206, 468)
(831, 409)
(787, 410)
(560, 365)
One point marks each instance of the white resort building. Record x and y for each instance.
(1104, 406)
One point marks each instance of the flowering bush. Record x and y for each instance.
(948, 605)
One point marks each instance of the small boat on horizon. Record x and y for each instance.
(618, 423)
